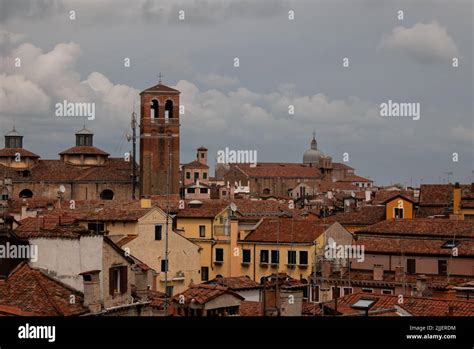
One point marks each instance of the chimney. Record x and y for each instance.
(457, 199)
(91, 282)
(399, 273)
(368, 195)
(24, 209)
(141, 283)
(326, 269)
(145, 203)
(421, 286)
(378, 272)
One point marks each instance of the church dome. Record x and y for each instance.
(312, 155)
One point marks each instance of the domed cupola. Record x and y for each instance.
(312, 155)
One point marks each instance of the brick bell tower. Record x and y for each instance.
(159, 140)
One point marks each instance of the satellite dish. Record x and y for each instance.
(233, 207)
(62, 189)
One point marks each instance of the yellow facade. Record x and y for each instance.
(397, 205)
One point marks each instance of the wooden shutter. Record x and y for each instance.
(123, 279)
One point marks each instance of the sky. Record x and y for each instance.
(283, 61)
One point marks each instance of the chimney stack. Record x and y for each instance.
(399, 273)
(92, 298)
(422, 286)
(378, 272)
(326, 269)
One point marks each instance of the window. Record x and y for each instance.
(196, 176)
(367, 290)
(204, 273)
(154, 109)
(336, 292)
(188, 175)
(442, 267)
(346, 291)
(203, 190)
(96, 227)
(202, 231)
(158, 232)
(219, 255)
(291, 257)
(398, 212)
(246, 256)
(169, 291)
(303, 257)
(411, 266)
(302, 191)
(264, 256)
(118, 280)
(5, 196)
(191, 190)
(164, 265)
(107, 194)
(168, 109)
(275, 256)
(387, 291)
(224, 193)
(26, 193)
(315, 293)
(266, 191)
(204, 175)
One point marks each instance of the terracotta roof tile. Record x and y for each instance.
(8, 152)
(235, 283)
(422, 227)
(32, 291)
(122, 242)
(355, 178)
(201, 294)
(366, 215)
(88, 150)
(248, 308)
(161, 88)
(383, 195)
(287, 230)
(195, 164)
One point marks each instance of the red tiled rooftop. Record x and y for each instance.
(286, 230)
(32, 291)
(87, 150)
(195, 164)
(249, 308)
(201, 294)
(235, 283)
(9, 152)
(293, 170)
(366, 215)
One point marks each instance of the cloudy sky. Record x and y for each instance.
(282, 62)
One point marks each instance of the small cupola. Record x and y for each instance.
(13, 140)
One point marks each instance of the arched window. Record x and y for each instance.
(168, 109)
(107, 194)
(154, 109)
(26, 193)
(266, 191)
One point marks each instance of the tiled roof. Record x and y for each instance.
(390, 245)
(366, 215)
(438, 307)
(36, 227)
(341, 166)
(326, 186)
(311, 309)
(430, 211)
(201, 294)
(422, 227)
(8, 152)
(383, 195)
(202, 148)
(436, 194)
(32, 291)
(116, 214)
(122, 242)
(249, 308)
(355, 178)
(209, 209)
(114, 169)
(235, 283)
(286, 230)
(87, 150)
(161, 88)
(195, 164)
(280, 170)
